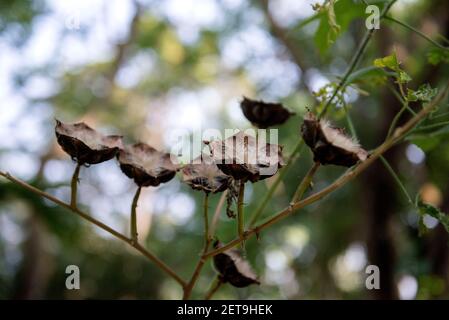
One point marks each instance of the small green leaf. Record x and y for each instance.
(425, 208)
(390, 62)
(437, 55)
(403, 77)
(425, 93)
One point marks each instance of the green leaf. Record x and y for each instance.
(425, 208)
(336, 16)
(425, 143)
(403, 77)
(437, 55)
(389, 62)
(369, 73)
(425, 93)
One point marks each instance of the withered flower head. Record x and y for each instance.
(84, 144)
(146, 165)
(244, 158)
(203, 174)
(330, 145)
(233, 268)
(264, 114)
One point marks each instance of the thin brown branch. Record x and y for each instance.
(199, 266)
(159, 263)
(216, 284)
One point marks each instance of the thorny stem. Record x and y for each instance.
(240, 211)
(216, 284)
(134, 215)
(398, 135)
(207, 239)
(74, 185)
(299, 144)
(99, 224)
(305, 183)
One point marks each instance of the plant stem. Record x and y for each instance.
(207, 239)
(424, 36)
(216, 284)
(217, 212)
(206, 221)
(134, 215)
(99, 224)
(305, 183)
(74, 185)
(396, 179)
(240, 211)
(398, 135)
(396, 119)
(349, 121)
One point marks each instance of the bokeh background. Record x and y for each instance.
(147, 68)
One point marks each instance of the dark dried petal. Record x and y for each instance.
(241, 157)
(330, 145)
(264, 114)
(233, 268)
(146, 165)
(204, 175)
(84, 144)
(231, 198)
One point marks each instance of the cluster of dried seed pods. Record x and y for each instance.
(239, 158)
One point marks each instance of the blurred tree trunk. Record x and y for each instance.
(34, 272)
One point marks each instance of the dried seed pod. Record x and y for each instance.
(204, 175)
(146, 165)
(233, 268)
(330, 145)
(264, 114)
(84, 144)
(241, 157)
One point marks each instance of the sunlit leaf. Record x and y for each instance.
(424, 93)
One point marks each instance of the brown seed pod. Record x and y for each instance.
(241, 157)
(233, 268)
(84, 144)
(330, 145)
(264, 114)
(146, 165)
(204, 175)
